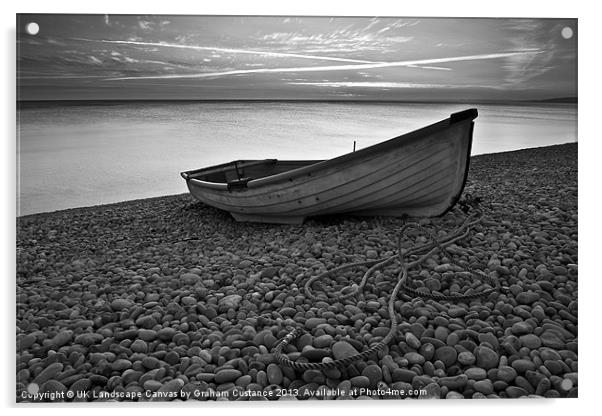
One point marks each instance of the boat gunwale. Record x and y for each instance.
(465, 115)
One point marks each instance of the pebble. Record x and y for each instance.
(552, 340)
(447, 355)
(414, 358)
(515, 392)
(455, 382)
(323, 341)
(523, 365)
(147, 335)
(475, 373)
(171, 387)
(486, 357)
(139, 346)
(274, 374)
(412, 340)
(527, 298)
(521, 328)
(121, 304)
(227, 375)
(466, 358)
(374, 373)
(483, 386)
(61, 338)
(133, 313)
(230, 301)
(342, 349)
(360, 382)
(50, 372)
(312, 323)
(506, 373)
(530, 341)
(89, 338)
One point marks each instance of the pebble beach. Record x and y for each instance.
(167, 299)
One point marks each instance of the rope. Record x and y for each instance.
(403, 283)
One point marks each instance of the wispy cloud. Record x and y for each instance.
(227, 50)
(371, 65)
(381, 85)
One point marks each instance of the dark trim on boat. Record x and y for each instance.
(469, 114)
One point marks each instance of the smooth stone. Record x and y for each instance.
(121, 304)
(527, 298)
(521, 328)
(62, 338)
(360, 381)
(552, 340)
(475, 373)
(230, 301)
(54, 387)
(506, 373)
(433, 391)
(486, 357)
(227, 375)
(139, 346)
(412, 340)
(323, 341)
(530, 341)
(274, 374)
(402, 374)
(483, 386)
(523, 365)
(414, 358)
(343, 349)
(312, 323)
(490, 339)
(121, 364)
(374, 374)
(152, 385)
(48, 373)
(313, 376)
(441, 333)
(146, 322)
(151, 363)
(454, 383)
(315, 354)
(89, 338)
(515, 392)
(172, 386)
(166, 334)
(466, 358)
(147, 335)
(447, 355)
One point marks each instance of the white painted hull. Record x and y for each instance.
(417, 174)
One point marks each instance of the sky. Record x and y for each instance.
(98, 57)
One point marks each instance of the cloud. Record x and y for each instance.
(228, 50)
(354, 67)
(107, 20)
(385, 85)
(437, 68)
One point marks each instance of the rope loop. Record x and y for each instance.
(471, 207)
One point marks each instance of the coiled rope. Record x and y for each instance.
(403, 283)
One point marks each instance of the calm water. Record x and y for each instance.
(71, 156)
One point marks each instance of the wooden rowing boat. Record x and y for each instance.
(421, 173)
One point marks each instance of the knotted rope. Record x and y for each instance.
(403, 284)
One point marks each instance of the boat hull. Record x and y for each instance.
(418, 174)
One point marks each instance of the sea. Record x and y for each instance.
(72, 155)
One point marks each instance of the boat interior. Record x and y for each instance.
(243, 171)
